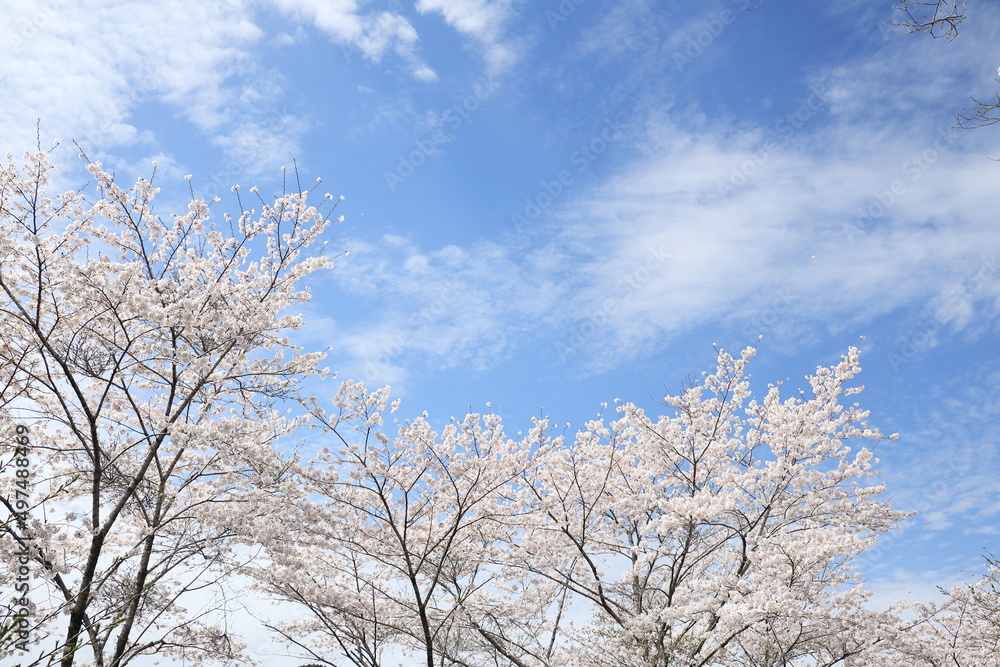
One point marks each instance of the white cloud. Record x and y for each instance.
(787, 220)
(374, 34)
(379, 33)
(482, 20)
(657, 251)
(747, 216)
(443, 308)
(300, 36)
(832, 216)
(627, 28)
(83, 69)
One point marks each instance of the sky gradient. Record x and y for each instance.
(550, 205)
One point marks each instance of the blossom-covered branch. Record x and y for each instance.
(149, 357)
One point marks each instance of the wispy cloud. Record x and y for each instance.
(484, 21)
(374, 34)
(822, 211)
(743, 217)
(84, 71)
(441, 308)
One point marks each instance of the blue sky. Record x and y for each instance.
(550, 205)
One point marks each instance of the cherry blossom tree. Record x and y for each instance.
(722, 534)
(146, 371)
(962, 631)
(971, 627)
(148, 359)
(394, 538)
